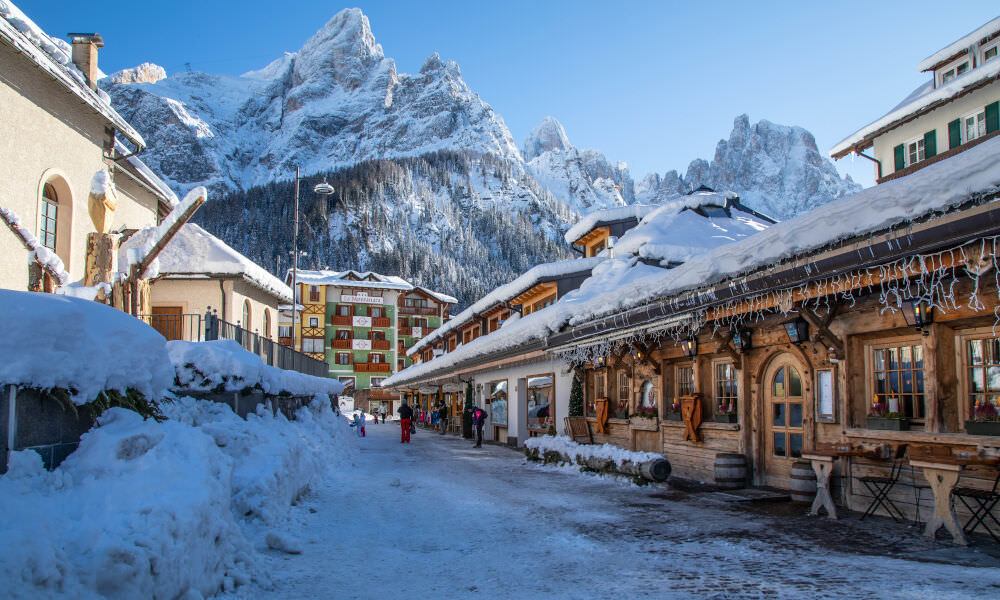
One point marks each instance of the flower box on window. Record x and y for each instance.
(982, 427)
(888, 423)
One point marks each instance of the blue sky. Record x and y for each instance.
(655, 84)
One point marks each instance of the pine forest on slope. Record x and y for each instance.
(429, 182)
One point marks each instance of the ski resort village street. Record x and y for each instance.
(440, 519)
(289, 316)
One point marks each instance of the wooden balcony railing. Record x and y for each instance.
(417, 310)
(381, 322)
(381, 345)
(371, 367)
(339, 320)
(340, 344)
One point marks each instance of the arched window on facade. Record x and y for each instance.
(246, 315)
(49, 217)
(267, 324)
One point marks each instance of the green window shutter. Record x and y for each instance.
(992, 117)
(898, 155)
(930, 143)
(955, 134)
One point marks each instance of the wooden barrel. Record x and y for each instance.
(803, 482)
(730, 471)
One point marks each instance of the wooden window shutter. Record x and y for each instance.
(955, 134)
(898, 154)
(930, 143)
(992, 117)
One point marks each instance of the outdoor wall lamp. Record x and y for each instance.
(797, 330)
(741, 340)
(690, 347)
(918, 313)
(636, 354)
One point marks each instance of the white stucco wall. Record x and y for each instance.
(46, 132)
(225, 297)
(937, 119)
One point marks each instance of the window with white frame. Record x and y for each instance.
(312, 345)
(951, 73)
(49, 217)
(284, 331)
(347, 381)
(314, 321)
(377, 381)
(726, 388)
(914, 151)
(343, 358)
(974, 125)
(991, 51)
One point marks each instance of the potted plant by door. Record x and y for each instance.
(643, 418)
(885, 415)
(725, 412)
(673, 412)
(985, 419)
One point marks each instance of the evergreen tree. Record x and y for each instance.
(576, 398)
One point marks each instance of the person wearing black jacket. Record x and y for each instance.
(405, 416)
(479, 421)
(443, 417)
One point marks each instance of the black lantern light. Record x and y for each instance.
(797, 330)
(636, 354)
(741, 340)
(690, 347)
(918, 313)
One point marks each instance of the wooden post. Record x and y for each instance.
(102, 258)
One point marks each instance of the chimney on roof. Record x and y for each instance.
(85, 46)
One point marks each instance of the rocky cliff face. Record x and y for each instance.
(776, 169)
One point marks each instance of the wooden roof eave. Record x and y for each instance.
(944, 62)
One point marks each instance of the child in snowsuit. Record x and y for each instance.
(361, 424)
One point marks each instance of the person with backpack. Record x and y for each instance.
(405, 415)
(479, 421)
(443, 417)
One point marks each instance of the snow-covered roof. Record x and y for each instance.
(147, 175)
(56, 341)
(963, 43)
(923, 98)
(194, 251)
(620, 284)
(675, 232)
(344, 279)
(54, 56)
(591, 221)
(506, 292)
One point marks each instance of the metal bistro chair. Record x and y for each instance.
(980, 504)
(881, 486)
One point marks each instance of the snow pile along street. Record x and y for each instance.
(564, 445)
(145, 509)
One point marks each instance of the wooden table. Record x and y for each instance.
(942, 474)
(822, 464)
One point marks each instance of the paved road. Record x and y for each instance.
(440, 519)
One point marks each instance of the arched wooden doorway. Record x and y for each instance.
(786, 414)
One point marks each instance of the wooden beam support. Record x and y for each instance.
(184, 217)
(823, 331)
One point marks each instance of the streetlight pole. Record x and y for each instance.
(295, 259)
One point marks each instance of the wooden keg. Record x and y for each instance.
(730, 471)
(803, 480)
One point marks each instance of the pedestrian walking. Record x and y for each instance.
(434, 419)
(384, 413)
(443, 417)
(361, 423)
(405, 415)
(479, 421)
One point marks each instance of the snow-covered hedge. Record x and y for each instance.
(567, 447)
(224, 364)
(55, 341)
(159, 510)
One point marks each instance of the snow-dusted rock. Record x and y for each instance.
(144, 73)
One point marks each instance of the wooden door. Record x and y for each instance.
(784, 417)
(169, 320)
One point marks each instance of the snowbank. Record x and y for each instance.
(145, 509)
(564, 445)
(63, 342)
(204, 366)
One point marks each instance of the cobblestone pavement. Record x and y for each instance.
(440, 519)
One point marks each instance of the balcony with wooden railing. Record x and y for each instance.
(381, 322)
(417, 310)
(341, 320)
(408, 331)
(371, 367)
(338, 344)
(381, 345)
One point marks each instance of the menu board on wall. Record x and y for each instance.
(824, 394)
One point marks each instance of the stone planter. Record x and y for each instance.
(673, 416)
(888, 424)
(982, 427)
(725, 418)
(644, 423)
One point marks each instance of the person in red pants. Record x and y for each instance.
(405, 416)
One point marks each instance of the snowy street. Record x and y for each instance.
(440, 519)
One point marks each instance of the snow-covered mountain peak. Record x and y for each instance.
(144, 73)
(547, 135)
